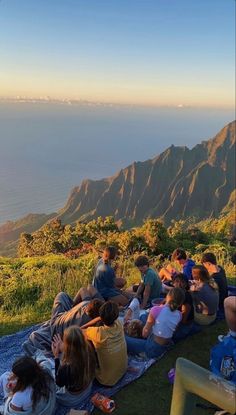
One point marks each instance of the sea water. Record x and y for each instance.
(46, 149)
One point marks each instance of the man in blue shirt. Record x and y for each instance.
(180, 256)
(105, 280)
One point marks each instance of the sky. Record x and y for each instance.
(142, 52)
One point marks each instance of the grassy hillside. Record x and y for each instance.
(29, 285)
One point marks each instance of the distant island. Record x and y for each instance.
(177, 184)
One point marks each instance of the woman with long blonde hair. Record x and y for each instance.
(75, 370)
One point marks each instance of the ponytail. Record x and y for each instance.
(175, 298)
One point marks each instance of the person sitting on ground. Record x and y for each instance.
(218, 273)
(159, 328)
(134, 328)
(76, 369)
(150, 286)
(187, 307)
(82, 310)
(186, 326)
(27, 389)
(179, 255)
(133, 310)
(105, 280)
(205, 295)
(64, 314)
(109, 343)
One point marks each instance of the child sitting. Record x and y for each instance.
(134, 328)
(109, 343)
(133, 310)
(26, 389)
(76, 370)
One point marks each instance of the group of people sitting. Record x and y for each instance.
(89, 336)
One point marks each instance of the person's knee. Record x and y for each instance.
(120, 300)
(59, 296)
(120, 282)
(84, 293)
(230, 303)
(92, 290)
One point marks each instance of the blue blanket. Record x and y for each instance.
(10, 350)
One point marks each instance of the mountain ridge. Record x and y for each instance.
(132, 192)
(178, 183)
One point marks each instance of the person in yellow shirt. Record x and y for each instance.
(110, 346)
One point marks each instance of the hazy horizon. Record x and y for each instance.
(151, 53)
(48, 149)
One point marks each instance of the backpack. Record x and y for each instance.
(223, 359)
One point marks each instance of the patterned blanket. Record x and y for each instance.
(10, 350)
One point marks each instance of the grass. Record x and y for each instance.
(151, 394)
(11, 323)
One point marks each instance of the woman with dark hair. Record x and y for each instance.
(218, 274)
(179, 281)
(205, 295)
(76, 370)
(186, 326)
(28, 389)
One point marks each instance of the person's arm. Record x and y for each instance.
(128, 315)
(93, 334)
(57, 345)
(146, 295)
(91, 323)
(148, 326)
(140, 289)
(18, 401)
(16, 408)
(61, 373)
(119, 282)
(185, 310)
(166, 274)
(203, 308)
(194, 286)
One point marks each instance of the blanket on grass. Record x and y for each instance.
(11, 349)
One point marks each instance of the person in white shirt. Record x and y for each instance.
(26, 388)
(133, 310)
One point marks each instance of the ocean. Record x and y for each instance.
(46, 149)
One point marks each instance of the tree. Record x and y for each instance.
(25, 248)
(156, 237)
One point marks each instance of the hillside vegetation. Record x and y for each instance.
(62, 258)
